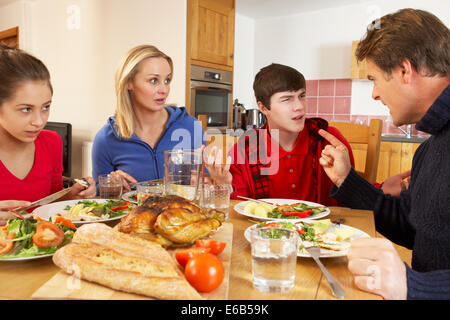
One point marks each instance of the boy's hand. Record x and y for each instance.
(335, 159)
(213, 162)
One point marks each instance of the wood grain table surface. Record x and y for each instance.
(20, 279)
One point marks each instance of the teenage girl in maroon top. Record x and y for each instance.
(30, 157)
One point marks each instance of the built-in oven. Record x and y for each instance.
(211, 95)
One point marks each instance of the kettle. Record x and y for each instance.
(255, 119)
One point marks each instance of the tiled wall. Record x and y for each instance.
(331, 100)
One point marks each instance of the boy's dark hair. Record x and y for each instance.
(276, 78)
(16, 67)
(416, 35)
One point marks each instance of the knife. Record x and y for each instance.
(45, 200)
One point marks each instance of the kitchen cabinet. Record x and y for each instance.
(358, 70)
(10, 37)
(210, 33)
(395, 157)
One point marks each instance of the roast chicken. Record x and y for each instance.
(170, 221)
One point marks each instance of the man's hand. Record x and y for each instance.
(377, 268)
(335, 159)
(396, 184)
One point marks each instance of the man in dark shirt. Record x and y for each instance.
(408, 60)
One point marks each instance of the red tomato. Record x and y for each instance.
(204, 272)
(215, 246)
(48, 235)
(184, 255)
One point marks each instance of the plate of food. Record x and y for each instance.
(85, 211)
(332, 239)
(130, 196)
(282, 210)
(28, 239)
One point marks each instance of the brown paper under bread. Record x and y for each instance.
(102, 255)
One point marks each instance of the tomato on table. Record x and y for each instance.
(184, 255)
(216, 246)
(204, 272)
(48, 235)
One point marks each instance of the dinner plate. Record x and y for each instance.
(324, 253)
(49, 210)
(240, 209)
(129, 196)
(29, 258)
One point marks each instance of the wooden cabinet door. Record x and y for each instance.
(358, 70)
(212, 30)
(390, 160)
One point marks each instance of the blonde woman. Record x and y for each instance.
(132, 143)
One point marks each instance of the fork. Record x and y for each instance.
(336, 288)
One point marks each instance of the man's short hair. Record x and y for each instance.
(276, 78)
(416, 35)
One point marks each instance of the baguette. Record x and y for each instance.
(150, 271)
(102, 235)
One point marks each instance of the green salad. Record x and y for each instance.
(22, 238)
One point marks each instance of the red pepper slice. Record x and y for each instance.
(125, 206)
(303, 214)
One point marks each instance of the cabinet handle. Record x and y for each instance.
(406, 152)
(394, 151)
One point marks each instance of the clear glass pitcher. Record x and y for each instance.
(184, 172)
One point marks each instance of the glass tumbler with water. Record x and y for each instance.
(110, 186)
(274, 258)
(217, 197)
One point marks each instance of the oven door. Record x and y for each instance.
(213, 100)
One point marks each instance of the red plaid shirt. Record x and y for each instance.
(295, 178)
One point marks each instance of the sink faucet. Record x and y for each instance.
(407, 132)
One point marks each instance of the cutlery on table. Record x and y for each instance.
(43, 201)
(256, 200)
(336, 288)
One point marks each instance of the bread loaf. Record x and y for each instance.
(122, 262)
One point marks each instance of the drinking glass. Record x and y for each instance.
(148, 188)
(184, 173)
(110, 186)
(217, 197)
(274, 258)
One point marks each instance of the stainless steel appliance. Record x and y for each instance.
(211, 94)
(255, 119)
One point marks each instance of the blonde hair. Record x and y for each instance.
(129, 66)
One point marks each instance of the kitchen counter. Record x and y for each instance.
(403, 138)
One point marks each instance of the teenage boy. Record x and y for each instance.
(408, 60)
(281, 160)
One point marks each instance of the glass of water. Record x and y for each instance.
(110, 186)
(274, 258)
(217, 197)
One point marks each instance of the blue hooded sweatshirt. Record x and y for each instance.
(110, 152)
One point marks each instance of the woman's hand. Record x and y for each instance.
(219, 172)
(6, 207)
(81, 192)
(126, 178)
(335, 159)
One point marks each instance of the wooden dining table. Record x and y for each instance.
(20, 279)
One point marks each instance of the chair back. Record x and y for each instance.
(362, 134)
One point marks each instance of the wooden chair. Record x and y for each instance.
(357, 134)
